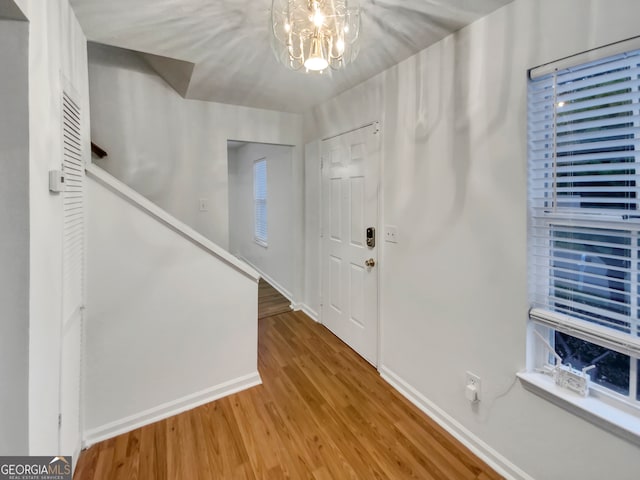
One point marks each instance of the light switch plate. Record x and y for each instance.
(391, 233)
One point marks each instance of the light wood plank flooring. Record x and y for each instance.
(321, 413)
(271, 301)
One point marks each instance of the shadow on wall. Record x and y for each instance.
(15, 236)
(445, 88)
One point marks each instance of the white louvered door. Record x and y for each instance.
(73, 199)
(73, 272)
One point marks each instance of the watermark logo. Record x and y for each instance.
(35, 468)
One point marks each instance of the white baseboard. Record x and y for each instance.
(75, 457)
(307, 310)
(169, 409)
(495, 460)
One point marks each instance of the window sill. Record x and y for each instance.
(260, 242)
(608, 417)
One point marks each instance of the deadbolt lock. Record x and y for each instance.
(371, 237)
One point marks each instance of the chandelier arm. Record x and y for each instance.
(336, 63)
(292, 56)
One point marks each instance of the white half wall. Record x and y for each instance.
(275, 261)
(14, 237)
(171, 150)
(168, 325)
(454, 288)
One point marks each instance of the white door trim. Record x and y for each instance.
(376, 123)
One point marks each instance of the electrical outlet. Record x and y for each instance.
(472, 387)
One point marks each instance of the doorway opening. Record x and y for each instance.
(261, 215)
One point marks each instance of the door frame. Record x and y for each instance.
(376, 125)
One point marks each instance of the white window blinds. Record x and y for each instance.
(260, 200)
(584, 144)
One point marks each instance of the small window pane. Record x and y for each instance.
(612, 368)
(591, 276)
(260, 200)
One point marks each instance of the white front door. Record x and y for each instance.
(350, 184)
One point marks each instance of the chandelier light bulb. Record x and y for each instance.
(318, 18)
(316, 64)
(316, 60)
(313, 35)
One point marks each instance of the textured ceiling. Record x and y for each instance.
(229, 43)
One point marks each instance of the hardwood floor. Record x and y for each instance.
(321, 413)
(270, 301)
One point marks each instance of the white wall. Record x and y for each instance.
(57, 48)
(169, 325)
(171, 150)
(274, 261)
(312, 220)
(14, 237)
(454, 289)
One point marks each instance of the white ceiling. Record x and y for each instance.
(229, 43)
(10, 11)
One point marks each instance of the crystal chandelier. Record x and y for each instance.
(315, 34)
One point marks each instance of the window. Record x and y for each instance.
(584, 218)
(260, 201)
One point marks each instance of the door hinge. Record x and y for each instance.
(376, 128)
(59, 421)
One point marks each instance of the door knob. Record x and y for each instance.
(370, 263)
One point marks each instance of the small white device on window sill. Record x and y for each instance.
(56, 181)
(568, 377)
(565, 376)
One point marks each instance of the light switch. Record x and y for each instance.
(204, 204)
